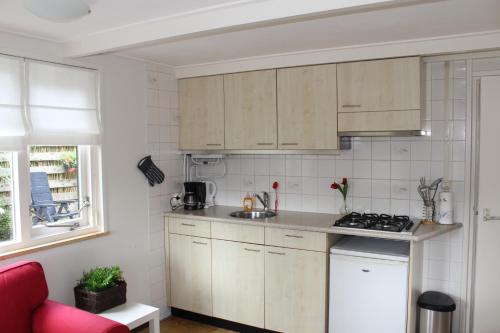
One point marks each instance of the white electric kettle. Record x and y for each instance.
(211, 189)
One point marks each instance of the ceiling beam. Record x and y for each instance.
(459, 44)
(234, 16)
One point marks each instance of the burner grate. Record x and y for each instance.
(383, 222)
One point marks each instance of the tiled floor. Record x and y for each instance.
(179, 325)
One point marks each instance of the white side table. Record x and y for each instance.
(134, 315)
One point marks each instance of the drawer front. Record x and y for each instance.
(238, 232)
(297, 239)
(189, 227)
(405, 120)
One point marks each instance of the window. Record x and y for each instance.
(6, 216)
(49, 153)
(54, 184)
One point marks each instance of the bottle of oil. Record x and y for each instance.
(248, 202)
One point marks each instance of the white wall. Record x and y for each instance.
(125, 188)
(162, 128)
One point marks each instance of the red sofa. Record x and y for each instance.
(24, 307)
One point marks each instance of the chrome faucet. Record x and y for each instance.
(265, 200)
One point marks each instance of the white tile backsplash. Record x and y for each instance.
(381, 170)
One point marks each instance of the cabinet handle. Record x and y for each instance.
(265, 143)
(251, 250)
(289, 144)
(366, 270)
(200, 243)
(488, 217)
(188, 225)
(351, 105)
(294, 236)
(277, 253)
(214, 144)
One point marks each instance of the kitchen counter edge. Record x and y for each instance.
(423, 232)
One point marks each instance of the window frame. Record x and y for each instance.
(26, 235)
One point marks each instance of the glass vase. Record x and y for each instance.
(343, 208)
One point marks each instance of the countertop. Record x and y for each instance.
(318, 222)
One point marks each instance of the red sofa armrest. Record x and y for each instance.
(51, 317)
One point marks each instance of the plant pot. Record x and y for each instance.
(97, 302)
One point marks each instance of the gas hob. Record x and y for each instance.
(380, 222)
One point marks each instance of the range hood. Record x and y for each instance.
(384, 133)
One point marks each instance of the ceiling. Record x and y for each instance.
(188, 32)
(106, 14)
(401, 23)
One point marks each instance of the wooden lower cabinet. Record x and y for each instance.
(238, 282)
(191, 273)
(295, 290)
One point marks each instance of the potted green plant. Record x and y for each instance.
(70, 162)
(100, 289)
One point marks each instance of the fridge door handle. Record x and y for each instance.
(365, 270)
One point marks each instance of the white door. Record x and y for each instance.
(487, 268)
(367, 295)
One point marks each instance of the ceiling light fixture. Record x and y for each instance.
(58, 10)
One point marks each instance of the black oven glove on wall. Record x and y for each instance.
(151, 171)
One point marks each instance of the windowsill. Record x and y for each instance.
(50, 245)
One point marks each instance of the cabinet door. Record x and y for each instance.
(296, 290)
(372, 287)
(190, 273)
(250, 104)
(238, 282)
(307, 107)
(201, 104)
(379, 85)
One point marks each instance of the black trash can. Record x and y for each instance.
(435, 313)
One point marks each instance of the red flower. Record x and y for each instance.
(275, 185)
(334, 186)
(344, 181)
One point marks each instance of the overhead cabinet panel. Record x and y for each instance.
(201, 103)
(250, 110)
(307, 107)
(380, 85)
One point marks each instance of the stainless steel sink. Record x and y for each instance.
(256, 214)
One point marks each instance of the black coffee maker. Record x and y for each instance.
(194, 195)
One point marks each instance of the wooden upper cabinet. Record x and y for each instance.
(250, 104)
(307, 107)
(380, 85)
(201, 104)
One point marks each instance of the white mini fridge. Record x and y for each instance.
(368, 285)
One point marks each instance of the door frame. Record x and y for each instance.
(474, 196)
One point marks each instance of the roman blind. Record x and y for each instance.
(62, 104)
(12, 124)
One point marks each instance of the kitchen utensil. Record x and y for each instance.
(211, 189)
(196, 195)
(151, 171)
